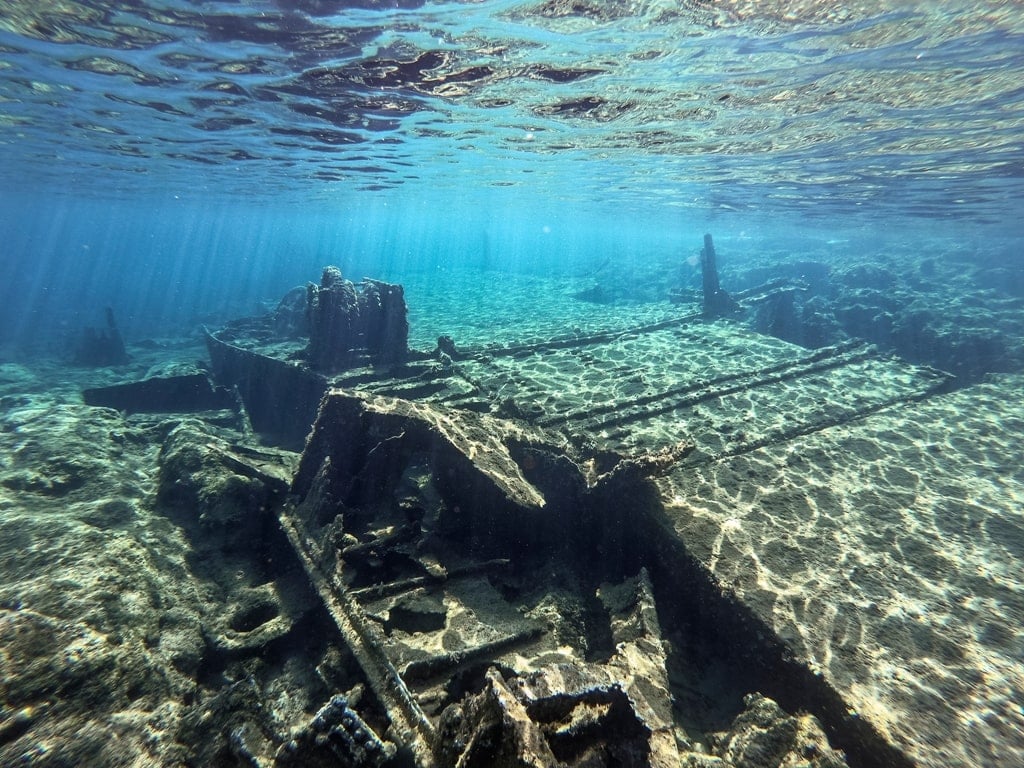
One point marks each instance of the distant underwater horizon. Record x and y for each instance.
(167, 269)
(179, 157)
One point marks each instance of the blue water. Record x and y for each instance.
(185, 161)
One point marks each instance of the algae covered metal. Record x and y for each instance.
(455, 509)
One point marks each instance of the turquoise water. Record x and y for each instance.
(825, 487)
(182, 161)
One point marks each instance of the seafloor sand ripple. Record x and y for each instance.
(889, 554)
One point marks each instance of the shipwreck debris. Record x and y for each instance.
(445, 553)
(717, 303)
(164, 394)
(347, 323)
(101, 347)
(338, 730)
(436, 499)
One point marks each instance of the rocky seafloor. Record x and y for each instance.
(152, 612)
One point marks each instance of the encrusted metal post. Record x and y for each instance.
(717, 303)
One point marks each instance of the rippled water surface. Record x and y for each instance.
(184, 160)
(816, 106)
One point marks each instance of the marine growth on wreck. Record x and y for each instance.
(544, 384)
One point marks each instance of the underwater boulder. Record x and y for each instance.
(867, 276)
(765, 736)
(201, 484)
